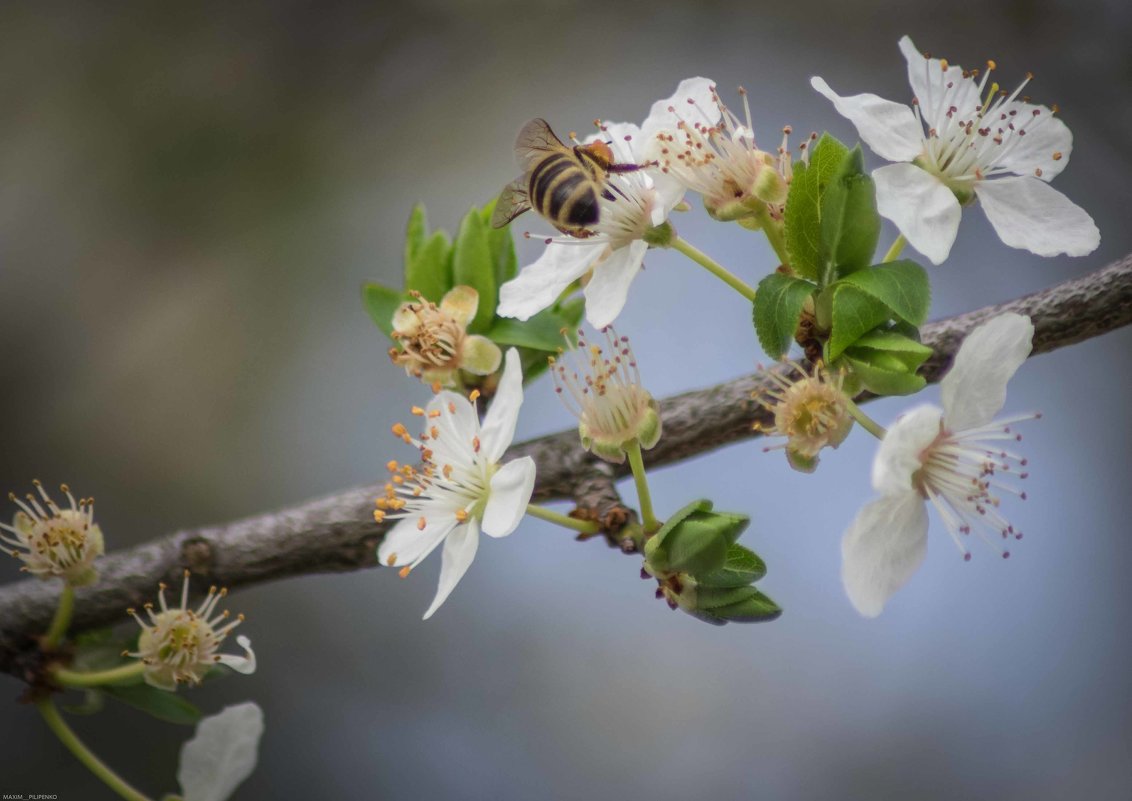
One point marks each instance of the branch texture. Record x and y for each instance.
(337, 533)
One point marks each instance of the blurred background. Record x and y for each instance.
(190, 199)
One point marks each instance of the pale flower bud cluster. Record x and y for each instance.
(52, 541)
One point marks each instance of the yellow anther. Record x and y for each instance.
(378, 516)
(392, 560)
(451, 407)
(418, 411)
(404, 572)
(473, 396)
(462, 515)
(392, 465)
(435, 413)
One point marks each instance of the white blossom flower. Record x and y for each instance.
(953, 458)
(222, 753)
(460, 488)
(180, 645)
(699, 142)
(613, 250)
(962, 140)
(51, 541)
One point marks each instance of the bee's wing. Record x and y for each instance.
(512, 202)
(534, 141)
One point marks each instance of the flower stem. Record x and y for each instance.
(542, 513)
(78, 678)
(896, 249)
(867, 423)
(637, 463)
(714, 268)
(774, 235)
(62, 619)
(76, 746)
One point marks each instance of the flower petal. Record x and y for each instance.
(460, 303)
(623, 138)
(499, 423)
(405, 544)
(511, 489)
(898, 456)
(1028, 213)
(457, 425)
(459, 551)
(693, 101)
(608, 289)
(890, 129)
(222, 753)
(480, 356)
(881, 550)
(1045, 146)
(240, 664)
(974, 389)
(539, 284)
(937, 90)
(924, 210)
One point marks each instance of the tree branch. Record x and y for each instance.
(337, 533)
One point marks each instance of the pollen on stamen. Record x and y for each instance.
(404, 572)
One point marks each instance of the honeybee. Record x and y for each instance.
(561, 183)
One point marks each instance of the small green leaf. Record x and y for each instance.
(804, 206)
(572, 310)
(778, 306)
(701, 505)
(542, 332)
(502, 247)
(854, 313)
(415, 232)
(754, 607)
(430, 270)
(891, 379)
(850, 225)
(742, 567)
(163, 705)
(904, 350)
(472, 265)
(902, 286)
(381, 301)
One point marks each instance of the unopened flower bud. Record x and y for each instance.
(52, 541)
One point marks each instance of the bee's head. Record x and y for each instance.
(601, 152)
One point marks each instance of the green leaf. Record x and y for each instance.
(804, 206)
(741, 567)
(533, 362)
(701, 505)
(381, 301)
(777, 308)
(850, 225)
(904, 350)
(854, 313)
(755, 607)
(472, 265)
(430, 270)
(572, 310)
(893, 379)
(415, 232)
(163, 705)
(502, 247)
(542, 332)
(902, 286)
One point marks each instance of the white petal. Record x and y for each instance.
(898, 456)
(623, 138)
(457, 424)
(1046, 135)
(701, 108)
(881, 550)
(974, 389)
(499, 422)
(241, 664)
(539, 284)
(455, 559)
(222, 754)
(924, 210)
(1028, 213)
(405, 544)
(890, 129)
(511, 489)
(608, 289)
(936, 89)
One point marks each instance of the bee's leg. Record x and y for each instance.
(631, 167)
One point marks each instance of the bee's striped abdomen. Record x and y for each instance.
(561, 191)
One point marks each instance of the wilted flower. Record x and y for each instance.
(958, 135)
(460, 487)
(952, 458)
(51, 541)
(811, 411)
(434, 340)
(603, 390)
(179, 645)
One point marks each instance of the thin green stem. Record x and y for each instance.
(62, 619)
(78, 678)
(76, 746)
(713, 267)
(866, 422)
(542, 513)
(637, 463)
(774, 235)
(896, 249)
